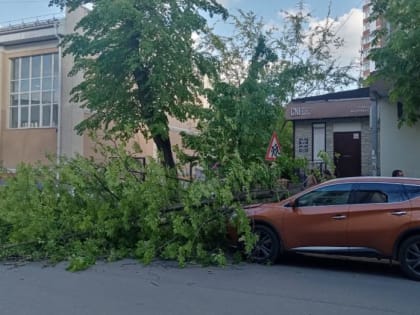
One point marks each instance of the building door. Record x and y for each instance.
(347, 151)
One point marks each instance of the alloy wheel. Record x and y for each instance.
(413, 257)
(410, 257)
(267, 247)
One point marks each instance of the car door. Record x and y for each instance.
(378, 213)
(318, 219)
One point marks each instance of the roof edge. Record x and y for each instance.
(359, 93)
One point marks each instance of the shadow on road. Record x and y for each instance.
(381, 267)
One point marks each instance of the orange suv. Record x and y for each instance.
(362, 216)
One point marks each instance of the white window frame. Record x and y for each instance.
(318, 140)
(48, 93)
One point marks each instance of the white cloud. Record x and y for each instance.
(196, 39)
(88, 6)
(227, 3)
(349, 27)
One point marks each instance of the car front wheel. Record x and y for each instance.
(267, 247)
(409, 257)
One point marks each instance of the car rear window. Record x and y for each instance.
(412, 191)
(369, 196)
(377, 193)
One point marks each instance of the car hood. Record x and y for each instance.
(257, 208)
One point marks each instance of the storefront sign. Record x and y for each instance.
(328, 109)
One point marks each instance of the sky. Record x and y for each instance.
(16, 11)
(348, 14)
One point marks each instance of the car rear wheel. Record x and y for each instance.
(409, 257)
(267, 248)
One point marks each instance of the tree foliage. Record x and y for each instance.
(263, 69)
(81, 210)
(240, 120)
(139, 64)
(397, 55)
(140, 67)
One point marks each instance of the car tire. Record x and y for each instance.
(409, 257)
(267, 247)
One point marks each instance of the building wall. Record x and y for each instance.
(399, 147)
(366, 148)
(32, 144)
(27, 145)
(3, 99)
(303, 130)
(71, 114)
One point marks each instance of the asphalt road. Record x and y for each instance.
(297, 286)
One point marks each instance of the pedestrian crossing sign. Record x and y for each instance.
(273, 150)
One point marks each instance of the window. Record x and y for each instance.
(326, 196)
(412, 191)
(318, 131)
(372, 65)
(366, 65)
(377, 193)
(369, 196)
(34, 91)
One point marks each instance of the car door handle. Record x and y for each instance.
(399, 213)
(339, 217)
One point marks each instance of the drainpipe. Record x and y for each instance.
(58, 153)
(374, 127)
(6, 109)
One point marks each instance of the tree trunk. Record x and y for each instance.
(151, 114)
(164, 146)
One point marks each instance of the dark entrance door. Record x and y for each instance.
(347, 149)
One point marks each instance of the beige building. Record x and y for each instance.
(29, 92)
(36, 116)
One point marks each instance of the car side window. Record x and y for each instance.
(326, 196)
(369, 196)
(412, 191)
(377, 193)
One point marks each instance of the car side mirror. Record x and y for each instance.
(292, 204)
